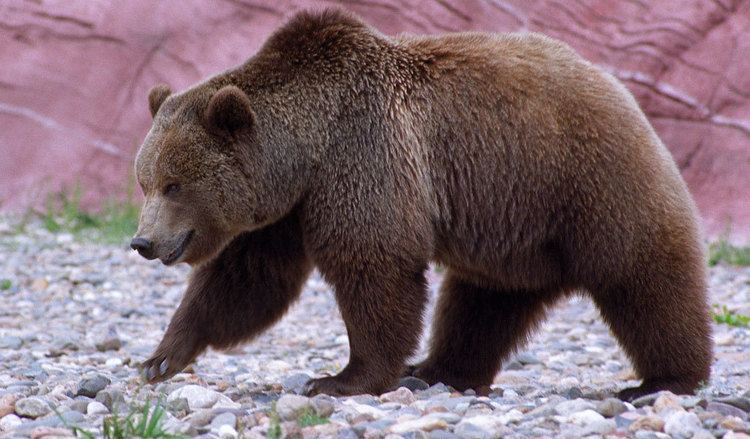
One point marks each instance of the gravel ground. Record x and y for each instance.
(77, 318)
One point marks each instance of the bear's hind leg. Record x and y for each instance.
(475, 329)
(234, 297)
(661, 320)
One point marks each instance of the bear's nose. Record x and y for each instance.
(143, 246)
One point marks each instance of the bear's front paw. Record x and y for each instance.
(165, 364)
(336, 386)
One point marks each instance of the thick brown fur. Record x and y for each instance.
(526, 171)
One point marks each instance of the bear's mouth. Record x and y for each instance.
(175, 254)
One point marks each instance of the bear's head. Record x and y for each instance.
(201, 170)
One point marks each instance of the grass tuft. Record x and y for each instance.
(146, 423)
(723, 252)
(114, 223)
(5, 284)
(274, 430)
(309, 418)
(722, 315)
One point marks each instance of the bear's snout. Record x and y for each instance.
(143, 246)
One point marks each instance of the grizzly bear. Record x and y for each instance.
(526, 171)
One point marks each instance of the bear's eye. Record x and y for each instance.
(171, 189)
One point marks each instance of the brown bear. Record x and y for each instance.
(527, 172)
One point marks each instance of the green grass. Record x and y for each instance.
(722, 315)
(309, 418)
(723, 252)
(274, 430)
(5, 284)
(114, 223)
(143, 423)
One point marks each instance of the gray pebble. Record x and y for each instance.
(611, 407)
(726, 410)
(323, 405)
(295, 383)
(92, 385)
(111, 398)
(10, 342)
(527, 358)
(442, 434)
(645, 400)
(739, 402)
(225, 418)
(32, 407)
(413, 383)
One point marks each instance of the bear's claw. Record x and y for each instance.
(157, 369)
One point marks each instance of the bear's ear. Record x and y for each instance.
(156, 97)
(229, 111)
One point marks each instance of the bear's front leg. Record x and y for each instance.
(233, 298)
(382, 308)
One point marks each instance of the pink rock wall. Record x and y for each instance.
(75, 74)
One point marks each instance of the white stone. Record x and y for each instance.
(200, 397)
(402, 395)
(681, 423)
(227, 432)
(585, 417)
(513, 415)
(479, 427)
(427, 423)
(113, 362)
(567, 408)
(96, 408)
(364, 409)
(9, 422)
(278, 366)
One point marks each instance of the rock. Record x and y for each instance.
(199, 397)
(572, 393)
(109, 343)
(7, 404)
(442, 434)
(585, 417)
(227, 432)
(739, 402)
(666, 401)
(11, 342)
(90, 386)
(323, 405)
(295, 383)
(178, 406)
(648, 422)
(732, 423)
(726, 410)
(50, 432)
(402, 395)
(9, 422)
(527, 358)
(567, 408)
(290, 407)
(414, 384)
(113, 399)
(32, 407)
(225, 418)
(702, 434)
(427, 423)
(480, 427)
(96, 408)
(645, 400)
(278, 366)
(680, 423)
(611, 407)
